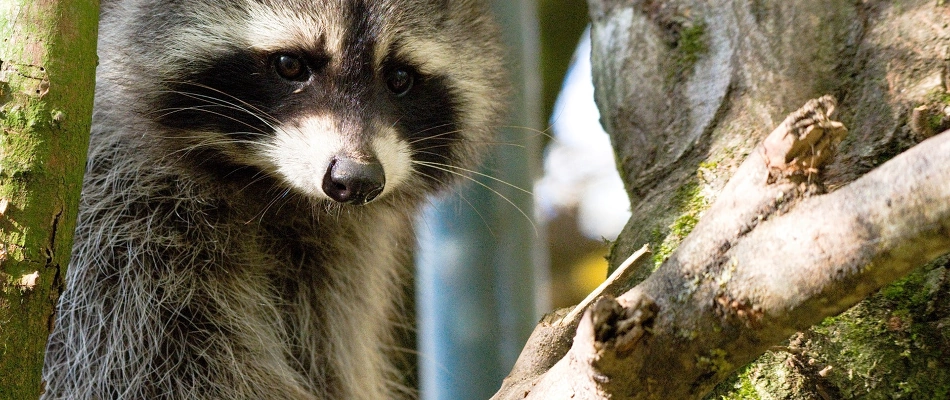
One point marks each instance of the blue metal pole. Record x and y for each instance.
(478, 251)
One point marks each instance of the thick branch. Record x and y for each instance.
(766, 260)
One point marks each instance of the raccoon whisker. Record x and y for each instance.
(282, 196)
(221, 138)
(485, 142)
(443, 168)
(396, 122)
(435, 146)
(434, 154)
(216, 102)
(226, 136)
(465, 199)
(538, 132)
(257, 177)
(443, 125)
(332, 209)
(498, 143)
(473, 172)
(208, 142)
(230, 135)
(249, 105)
(442, 139)
(213, 102)
(479, 213)
(212, 142)
(424, 138)
(184, 151)
(170, 111)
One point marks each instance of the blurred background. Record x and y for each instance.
(530, 232)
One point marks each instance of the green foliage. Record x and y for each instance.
(561, 24)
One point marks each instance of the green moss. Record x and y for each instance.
(690, 46)
(937, 96)
(739, 387)
(892, 345)
(907, 292)
(894, 342)
(690, 203)
(709, 165)
(20, 149)
(714, 362)
(936, 100)
(754, 382)
(692, 43)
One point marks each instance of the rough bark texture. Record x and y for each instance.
(688, 88)
(756, 242)
(47, 66)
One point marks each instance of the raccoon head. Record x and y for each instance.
(345, 101)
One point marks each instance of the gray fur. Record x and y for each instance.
(200, 270)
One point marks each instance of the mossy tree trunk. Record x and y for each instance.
(47, 75)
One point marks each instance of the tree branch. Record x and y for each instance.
(770, 257)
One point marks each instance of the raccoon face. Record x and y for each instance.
(346, 101)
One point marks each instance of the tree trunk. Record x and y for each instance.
(758, 236)
(47, 75)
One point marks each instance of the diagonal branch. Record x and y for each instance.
(770, 257)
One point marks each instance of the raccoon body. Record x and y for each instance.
(254, 170)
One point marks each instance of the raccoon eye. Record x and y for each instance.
(291, 67)
(400, 81)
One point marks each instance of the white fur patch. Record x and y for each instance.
(259, 27)
(273, 29)
(395, 155)
(301, 153)
(429, 56)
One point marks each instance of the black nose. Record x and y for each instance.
(353, 181)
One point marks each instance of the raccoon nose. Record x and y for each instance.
(354, 181)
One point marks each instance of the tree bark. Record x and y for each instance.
(687, 90)
(47, 75)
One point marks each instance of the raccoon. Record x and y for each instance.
(254, 171)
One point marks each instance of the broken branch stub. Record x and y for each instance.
(805, 141)
(620, 324)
